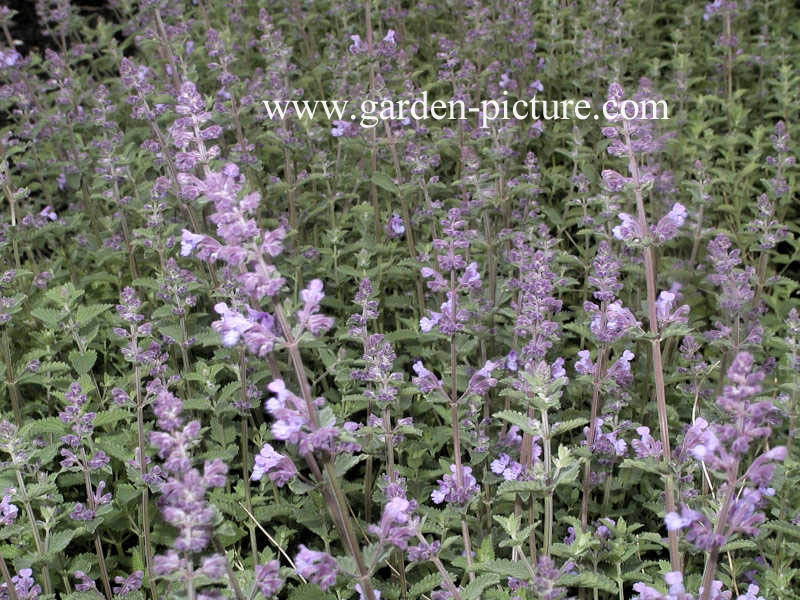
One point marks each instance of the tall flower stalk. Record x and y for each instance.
(633, 138)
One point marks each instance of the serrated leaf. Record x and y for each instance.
(60, 540)
(590, 580)
(48, 316)
(738, 545)
(345, 462)
(522, 421)
(569, 425)
(86, 314)
(385, 182)
(505, 568)
(109, 417)
(783, 527)
(474, 590)
(309, 591)
(426, 584)
(521, 487)
(82, 362)
(48, 425)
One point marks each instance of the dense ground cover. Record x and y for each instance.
(297, 358)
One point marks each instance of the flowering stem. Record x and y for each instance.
(387, 437)
(336, 500)
(12, 591)
(457, 443)
(599, 371)
(12, 385)
(448, 583)
(658, 369)
(548, 499)
(245, 452)
(711, 562)
(237, 591)
(98, 545)
(148, 551)
(12, 205)
(37, 539)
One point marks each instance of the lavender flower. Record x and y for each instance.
(449, 491)
(316, 567)
(8, 511)
(280, 469)
(397, 525)
(126, 585)
(268, 580)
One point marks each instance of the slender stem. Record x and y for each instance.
(658, 369)
(457, 441)
(446, 580)
(336, 500)
(162, 34)
(711, 562)
(12, 591)
(12, 385)
(98, 546)
(548, 499)
(245, 453)
(37, 539)
(148, 550)
(599, 373)
(387, 438)
(237, 591)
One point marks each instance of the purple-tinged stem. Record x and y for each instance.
(13, 392)
(237, 591)
(148, 549)
(454, 424)
(548, 499)
(658, 368)
(37, 538)
(336, 500)
(98, 545)
(448, 583)
(245, 451)
(10, 589)
(599, 371)
(711, 562)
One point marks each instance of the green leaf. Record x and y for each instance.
(569, 425)
(783, 527)
(86, 314)
(642, 465)
(345, 462)
(474, 590)
(82, 362)
(60, 540)
(590, 580)
(309, 591)
(110, 417)
(48, 425)
(738, 545)
(505, 568)
(383, 181)
(522, 421)
(426, 584)
(48, 316)
(520, 487)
